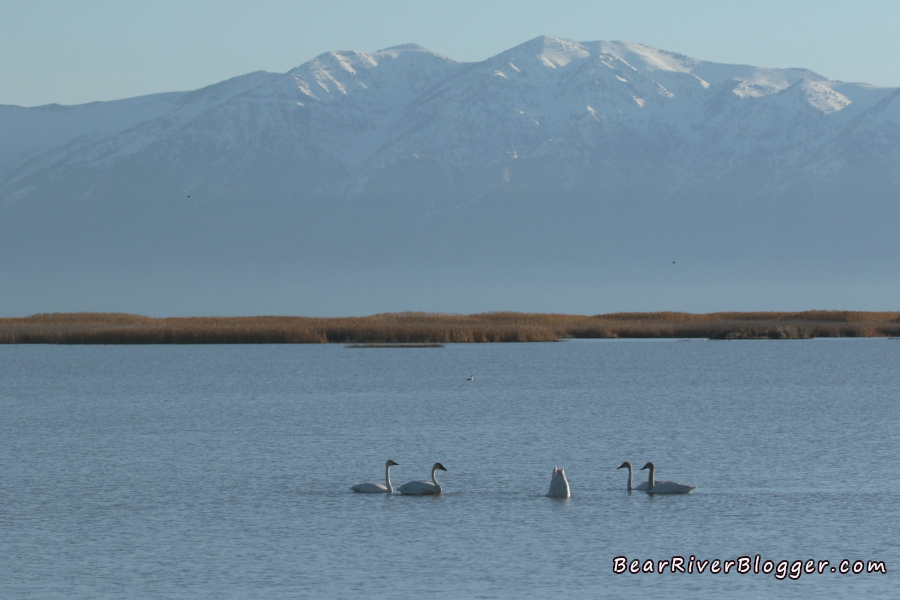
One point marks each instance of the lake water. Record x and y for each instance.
(223, 471)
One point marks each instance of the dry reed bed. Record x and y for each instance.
(94, 328)
(435, 328)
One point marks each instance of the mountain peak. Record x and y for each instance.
(405, 48)
(552, 51)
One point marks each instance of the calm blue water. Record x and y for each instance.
(223, 471)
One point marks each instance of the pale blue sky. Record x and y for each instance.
(75, 51)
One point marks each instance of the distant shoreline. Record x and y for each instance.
(415, 328)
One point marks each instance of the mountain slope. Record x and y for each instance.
(422, 182)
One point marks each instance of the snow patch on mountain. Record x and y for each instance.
(824, 98)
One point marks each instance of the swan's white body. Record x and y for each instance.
(559, 485)
(423, 488)
(377, 488)
(665, 487)
(641, 487)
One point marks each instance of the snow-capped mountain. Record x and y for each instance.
(422, 182)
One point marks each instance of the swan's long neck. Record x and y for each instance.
(652, 479)
(629, 478)
(434, 479)
(387, 479)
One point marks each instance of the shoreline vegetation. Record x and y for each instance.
(419, 329)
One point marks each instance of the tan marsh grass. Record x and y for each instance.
(410, 328)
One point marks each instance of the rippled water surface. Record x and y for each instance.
(223, 471)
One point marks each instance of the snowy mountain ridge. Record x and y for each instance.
(620, 149)
(363, 97)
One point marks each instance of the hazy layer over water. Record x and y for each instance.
(223, 471)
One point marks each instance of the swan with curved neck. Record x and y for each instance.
(559, 485)
(665, 487)
(377, 488)
(423, 488)
(641, 487)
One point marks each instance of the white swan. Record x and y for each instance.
(423, 488)
(665, 487)
(642, 487)
(559, 485)
(377, 488)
